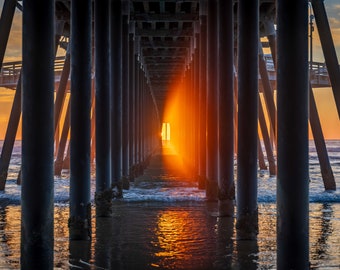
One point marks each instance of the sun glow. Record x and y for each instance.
(181, 115)
(172, 234)
(166, 132)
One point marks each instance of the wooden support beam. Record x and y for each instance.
(319, 140)
(165, 44)
(164, 17)
(188, 32)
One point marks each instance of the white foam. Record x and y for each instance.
(161, 192)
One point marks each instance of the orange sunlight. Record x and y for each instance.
(180, 122)
(172, 232)
(166, 132)
(6, 100)
(327, 111)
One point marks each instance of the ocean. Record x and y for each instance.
(164, 222)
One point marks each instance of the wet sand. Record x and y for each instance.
(186, 234)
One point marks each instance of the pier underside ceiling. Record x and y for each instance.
(166, 35)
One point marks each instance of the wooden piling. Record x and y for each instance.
(202, 101)
(37, 192)
(212, 111)
(248, 39)
(116, 96)
(80, 140)
(226, 186)
(292, 151)
(103, 195)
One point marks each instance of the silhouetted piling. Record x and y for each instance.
(131, 90)
(248, 37)
(226, 187)
(116, 96)
(212, 105)
(196, 93)
(203, 97)
(125, 94)
(135, 110)
(37, 193)
(138, 75)
(292, 163)
(80, 150)
(103, 196)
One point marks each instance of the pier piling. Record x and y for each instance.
(103, 195)
(116, 96)
(80, 140)
(202, 96)
(247, 151)
(292, 152)
(212, 105)
(37, 193)
(226, 190)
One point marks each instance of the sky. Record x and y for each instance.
(324, 98)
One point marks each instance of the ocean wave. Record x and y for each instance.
(178, 190)
(266, 194)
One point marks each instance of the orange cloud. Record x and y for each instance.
(14, 45)
(6, 100)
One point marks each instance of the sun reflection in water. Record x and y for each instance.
(175, 238)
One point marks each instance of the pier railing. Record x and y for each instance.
(319, 75)
(10, 72)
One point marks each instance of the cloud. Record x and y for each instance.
(14, 46)
(333, 14)
(6, 95)
(6, 100)
(336, 8)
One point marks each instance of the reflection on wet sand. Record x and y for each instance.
(10, 237)
(323, 230)
(102, 246)
(80, 254)
(181, 235)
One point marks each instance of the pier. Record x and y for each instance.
(103, 84)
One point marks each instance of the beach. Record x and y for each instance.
(164, 222)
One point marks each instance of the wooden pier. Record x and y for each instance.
(199, 65)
